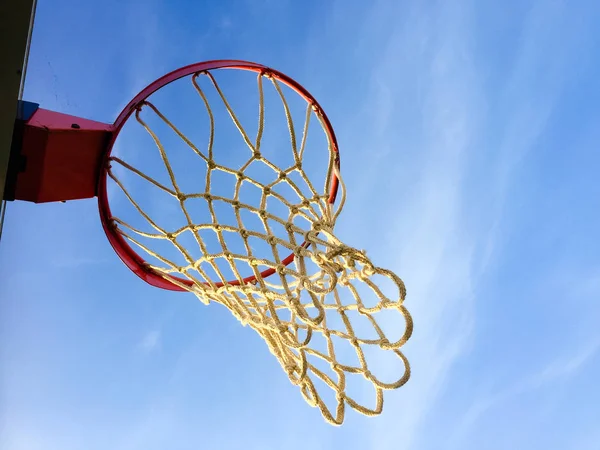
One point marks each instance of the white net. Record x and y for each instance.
(318, 289)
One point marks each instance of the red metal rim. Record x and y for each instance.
(128, 255)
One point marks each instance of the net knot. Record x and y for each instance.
(299, 251)
(211, 164)
(385, 344)
(240, 175)
(368, 270)
(304, 281)
(350, 255)
(324, 260)
(201, 295)
(318, 225)
(256, 154)
(267, 190)
(291, 369)
(282, 175)
(362, 310)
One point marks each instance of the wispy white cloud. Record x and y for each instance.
(150, 341)
(434, 232)
(560, 369)
(427, 235)
(544, 61)
(566, 366)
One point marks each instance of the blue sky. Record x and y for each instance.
(469, 129)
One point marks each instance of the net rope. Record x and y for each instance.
(293, 305)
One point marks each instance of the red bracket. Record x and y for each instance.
(56, 157)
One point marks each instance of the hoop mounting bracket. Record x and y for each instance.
(54, 156)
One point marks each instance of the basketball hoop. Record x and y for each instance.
(288, 277)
